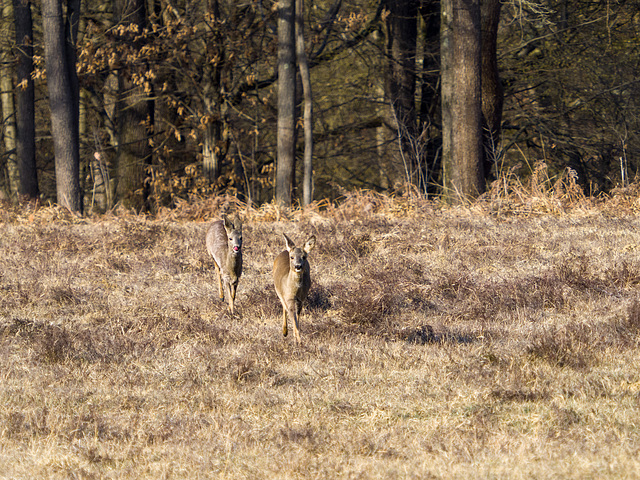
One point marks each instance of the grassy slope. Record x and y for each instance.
(443, 344)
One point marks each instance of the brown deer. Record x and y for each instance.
(292, 278)
(224, 243)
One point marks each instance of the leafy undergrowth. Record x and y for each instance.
(437, 343)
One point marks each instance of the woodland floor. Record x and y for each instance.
(439, 343)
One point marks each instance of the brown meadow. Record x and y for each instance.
(499, 340)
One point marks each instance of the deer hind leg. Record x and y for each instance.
(285, 330)
(220, 290)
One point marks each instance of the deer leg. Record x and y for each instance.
(231, 294)
(285, 331)
(220, 291)
(296, 326)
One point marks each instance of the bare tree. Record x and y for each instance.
(63, 98)
(462, 157)
(25, 100)
(492, 91)
(134, 112)
(285, 163)
(305, 76)
(6, 95)
(402, 31)
(215, 141)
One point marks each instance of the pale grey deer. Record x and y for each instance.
(224, 243)
(292, 279)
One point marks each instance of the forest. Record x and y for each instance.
(150, 103)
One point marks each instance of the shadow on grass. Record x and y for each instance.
(425, 334)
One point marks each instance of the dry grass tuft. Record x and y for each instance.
(540, 194)
(367, 304)
(568, 346)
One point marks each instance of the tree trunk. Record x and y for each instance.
(285, 163)
(428, 121)
(462, 158)
(134, 119)
(215, 143)
(108, 163)
(492, 91)
(25, 101)
(64, 105)
(211, 154)
(305, 75)
(71, 26)
(402, 34)
(6, 95)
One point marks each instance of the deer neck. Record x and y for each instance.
(233, 260)
(296, 278)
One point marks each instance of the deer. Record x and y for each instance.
(292, 279)
(224, 243)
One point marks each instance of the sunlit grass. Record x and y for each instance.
(438, 342)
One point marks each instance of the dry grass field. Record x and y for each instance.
(498, 340)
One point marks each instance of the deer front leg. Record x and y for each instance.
(293, 311)
(231, 293)
(233, 288)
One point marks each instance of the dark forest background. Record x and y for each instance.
(177, 99)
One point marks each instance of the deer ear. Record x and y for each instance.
(237, 223)
(227, 223)
(288, 243)
(308, 246)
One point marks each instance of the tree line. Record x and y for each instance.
(146, 103)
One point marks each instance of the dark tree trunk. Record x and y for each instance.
(216, 138)
(402, 34)
(462, 157)
(285, 163)
(25, 101)
(429, 101)
(428, 120)
(134, 120)
(492, 91)
(63, 102)
(71, 26)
